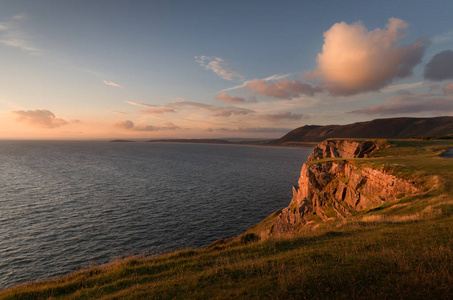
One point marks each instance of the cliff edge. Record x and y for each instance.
(331, 185)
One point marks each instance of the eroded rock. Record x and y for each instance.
(339, 185)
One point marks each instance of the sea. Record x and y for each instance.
(65, 205)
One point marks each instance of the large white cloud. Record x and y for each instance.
(355, 60)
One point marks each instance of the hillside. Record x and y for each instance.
(392, 240)
(393, 128)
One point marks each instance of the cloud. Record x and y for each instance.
(129, 125)
(355, 60)
(284, 116)
(160, 110)
(403, 92)
(282, 89)
(443, 38)
(12, 35)
(140, 104)
(253, 129)
(117, 112)
(111, 83)
(440, 67)
(226, 98)
(402, 86)
(252, 99)
(433, 87)
(124, 124)
(218, 110)
(448, 89)
(39, 117)
(218, 66)
(272, 77)
(21, 16)
(411, 104)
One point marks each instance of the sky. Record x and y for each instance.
(216, 69)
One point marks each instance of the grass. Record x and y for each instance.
(400, 249)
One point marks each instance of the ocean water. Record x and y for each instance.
(65, 204)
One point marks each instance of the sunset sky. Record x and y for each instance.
(213, 69)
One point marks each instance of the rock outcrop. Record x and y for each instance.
(337, 188)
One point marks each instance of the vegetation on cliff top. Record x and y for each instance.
(399, 249)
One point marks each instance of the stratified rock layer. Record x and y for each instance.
(339, 187)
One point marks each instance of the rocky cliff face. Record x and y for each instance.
(338, 188)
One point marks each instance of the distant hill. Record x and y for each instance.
(393, 128)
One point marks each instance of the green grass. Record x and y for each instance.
(354, 260)
(400, 249)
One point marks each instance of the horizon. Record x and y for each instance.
(159, 70)
(227, 138)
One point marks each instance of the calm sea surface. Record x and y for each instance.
(66, 204)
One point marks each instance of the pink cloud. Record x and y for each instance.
(283, 89)
(39, 117)
(140, 104)
(226, 98)
(124, 124)
(355, 60)
(129, 125)
(448, 89)
(434, 87)
(284, 116)
(160, 110)
(111, 83)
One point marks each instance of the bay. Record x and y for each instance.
(64, 204)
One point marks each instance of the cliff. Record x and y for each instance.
(332, 186)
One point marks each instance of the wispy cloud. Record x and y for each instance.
(272, 77)
(443, 38)
(410, 104)
(402, 86)
(111, 83)
(40, 118)
(117, 112)
(282, 89)
(129, 125)
(12, 35)
(159, 110)
(220, 111)
(218, 66)
(20, 17)
(253, 129)
(278, 117)
(140, 104)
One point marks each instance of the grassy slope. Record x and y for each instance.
(402, 249)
